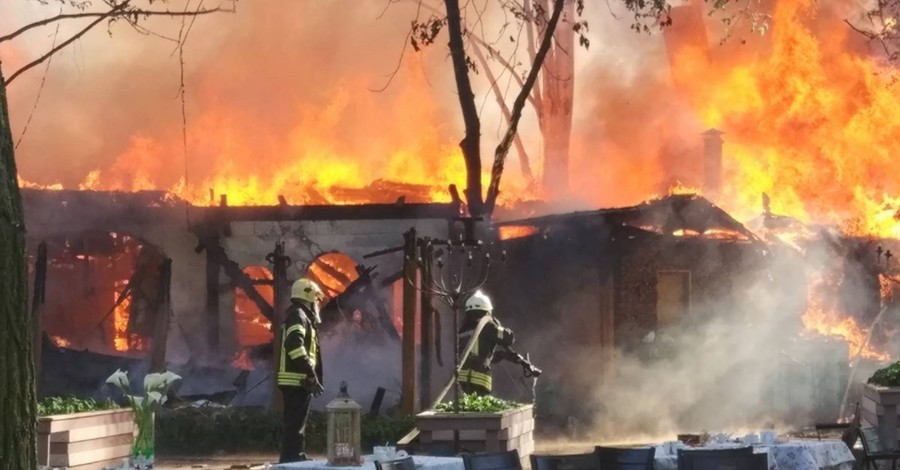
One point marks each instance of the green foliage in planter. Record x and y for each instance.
(67, 405)
(887, 377)
(473, 403)
(204, 431)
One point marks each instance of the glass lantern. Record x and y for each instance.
(343, 430)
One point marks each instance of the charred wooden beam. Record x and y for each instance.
(324, 211)
(331, 271)
(221, 216)
(409, 382)
(164, 311)
(212, 296)
(239, 279)
(280, 263)
(383, 252)
(365, 294)
(427, 325)
(376, 402)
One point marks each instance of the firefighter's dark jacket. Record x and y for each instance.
(300, 353)
(477, 367)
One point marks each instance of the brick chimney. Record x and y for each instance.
(712, 161)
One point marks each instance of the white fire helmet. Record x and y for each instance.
(308, 291)
(479, 301)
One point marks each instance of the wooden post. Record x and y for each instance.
(408, 397)
(161, 325)
(37, 300)
(427, 341)
(212, 298)
(281, 289)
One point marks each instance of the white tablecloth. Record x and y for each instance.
(794, 455)
(422, 462)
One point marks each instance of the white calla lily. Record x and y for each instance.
(154, 398)
(119, 379)
(170, 378)
(154, 382)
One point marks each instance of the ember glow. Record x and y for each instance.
(509, 232)
(242, 360)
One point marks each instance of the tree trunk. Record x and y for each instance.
(557, 102)
(471, 143)
(17, 387)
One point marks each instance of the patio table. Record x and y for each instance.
(423, 462)
(792, 455)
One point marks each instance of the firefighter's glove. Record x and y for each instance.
(314, 387)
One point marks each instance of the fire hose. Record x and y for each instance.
(528, 369)
(533, 371)
(462, 360)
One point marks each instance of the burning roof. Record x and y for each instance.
(678, 215)
(51, 212)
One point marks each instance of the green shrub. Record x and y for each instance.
(887, 377)
(478, 404)
(204, 431)
(67, 405)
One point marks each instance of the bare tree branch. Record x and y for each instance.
(523, 156)
(494, 55)
(113, 13)
(536, 93)
(117, 9)
(503, 147)
(37, 98)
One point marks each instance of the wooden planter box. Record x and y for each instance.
(879, 408)
(86, 441)
(481, 432)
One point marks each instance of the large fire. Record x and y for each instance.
(809, 119)
(812, 123)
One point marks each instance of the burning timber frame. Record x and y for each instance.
(209, 248)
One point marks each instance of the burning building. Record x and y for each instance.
(672, 296)
(106, 292)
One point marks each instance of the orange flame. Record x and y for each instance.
(812, 124)
(120, 318)
(509, 232)
(826, 319)
(60, 342)
(242, 360)
(352, 147)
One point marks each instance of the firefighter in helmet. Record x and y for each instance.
(300, 366)
(475, 373)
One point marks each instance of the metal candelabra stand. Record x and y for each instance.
(465, 271)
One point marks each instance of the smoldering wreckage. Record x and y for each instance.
(759, 323)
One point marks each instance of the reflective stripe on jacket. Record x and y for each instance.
(477, 367)
(476, 378)
(299, 348)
